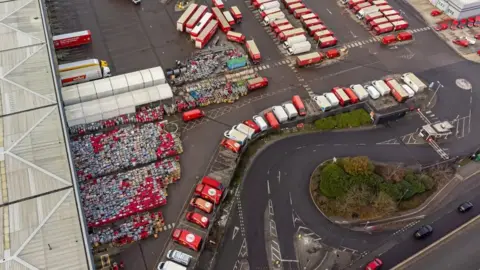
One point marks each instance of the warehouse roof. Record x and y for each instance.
(40, 225)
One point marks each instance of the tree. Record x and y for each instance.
(427, 181)
(384, 204)
(334, 181)
(357, 165)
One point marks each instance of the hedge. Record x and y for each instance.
(351, 119)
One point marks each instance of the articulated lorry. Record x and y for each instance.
(83, 71)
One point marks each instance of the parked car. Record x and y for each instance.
(423, 232)
(470, 40)
(435, 13)
(374, 265)
(465, 207)
(461, 42)
(441, 27)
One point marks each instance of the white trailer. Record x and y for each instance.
(301, 47)
(414, 82)
(359, 91)
(365, 11)
(273, 17)
(270, 5)
(322, 103)
(294, 40)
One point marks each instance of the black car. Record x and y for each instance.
(423, 232)
(465, 207)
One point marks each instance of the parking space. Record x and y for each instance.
(129, 37)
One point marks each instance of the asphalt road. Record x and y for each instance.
(458, 252)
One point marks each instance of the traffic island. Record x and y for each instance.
(355, 189)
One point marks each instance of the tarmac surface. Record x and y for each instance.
(133, 37)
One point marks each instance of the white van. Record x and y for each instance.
(409, 90)
(374, 94)
(416, 84)
(323, 103)
(359, 91)
(169, 265)
(290, 110)
(245, 130)
(260, 122)
(236, 135)
(332, 99)
(179, 257)
(280, 114)
(381, 87)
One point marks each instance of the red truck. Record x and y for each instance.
(282, 28)
(207, 180)
(72, 39)
(311, 22)
(283, 36)
(208, 193)
(400, 25)
(253, 51)
(351, 95)
(272, 120)
(316, 28)
(322, 34)
(327, 42)
(390, 13)
(384, 8)
(301, 11)
(236, 37)
(298, 103)
(237, 15)
(397, 90)
(404, 36)
(379, 3)
(278, 23)
(341, 96)
(394, 18)
(388, 39)
(257, 83)
(377, 22)
(353, 3)
(292, 7)
(383, 28)
(373, 16)
(358, 7)
(306, 17)
(309, 59)
(206, 34)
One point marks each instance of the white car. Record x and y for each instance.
(136, 1)
(374, 94)
(470, 40)
(260, 122)
(409, 90)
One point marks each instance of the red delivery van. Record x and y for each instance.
(298, 103)
(272, 120)
(257, 83)
(208, 193)
(231, 145)
(343, 99)
(299, 12)
(207, 180)
(351, 95)
(404, 36)
(327, 42)
(388, 39)
(332, 53)
(192, 115)
(237, 15)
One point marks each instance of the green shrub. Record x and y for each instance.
(427, 181)
(351, 119)
(334, 182)
(392, 190)
(384, 204)
(357, 165)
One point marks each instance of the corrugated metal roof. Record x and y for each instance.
(38, 207)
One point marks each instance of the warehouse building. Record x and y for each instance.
(458, 9)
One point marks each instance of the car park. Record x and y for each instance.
(179, 257)
(198, 219)
(423, 232)
(374, 265)
(260, 122)
(372, 92)
(187, 239)
(465, 207)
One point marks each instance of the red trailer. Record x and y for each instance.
(218, 3)
(351, 95)
(186, 16)
(72, 39)
(385, 8)
(383, 28)
(272, 120)
(291, 8)
(397, 90)
(271, 11)
(394, 18)
(327, 42)
(299, 12)
(309, 59)
(377, 22)
(228, 16)
(358, 7)
(404, 36)
(201, 25)
(222, 22)
(283, 36)
(192, 22)
(278, 23)
(353, 3)
(236, 37)
(253, 51)
(373, 16)
(400, 25)
(206, 34)
(379, 3)
(282, 28)
(298, 103)
(306, 17)
(388, 39)
(237, 15)
(312, 22)
(390, 13)
(316, 28)
(258, 3)
(343, 99)
(257, 83)
(291, 2)
(322, 34)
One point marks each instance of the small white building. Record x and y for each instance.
(458, 9)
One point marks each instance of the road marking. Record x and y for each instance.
(329, 11)
(270, 208)
(235, 231)
(273, 228)
(268, 187)
(290, 195)
(243, 252)
(278, 177)
(428, 249)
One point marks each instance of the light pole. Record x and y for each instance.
(405, 193)
(438, 87)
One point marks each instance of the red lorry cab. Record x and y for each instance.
(272, 120)
(212, 182)
(343, 99)
(237, 15)
(298, 103)
(257, 83)
(72, 39)
(208, 193)
(404, 36)
(388, 39)
(351, 95)
(192, 115)
(236, 37)
(332, 53)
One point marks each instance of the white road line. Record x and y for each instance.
(290, 195)
(268, 187)
(279, 177)
(329, 11)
